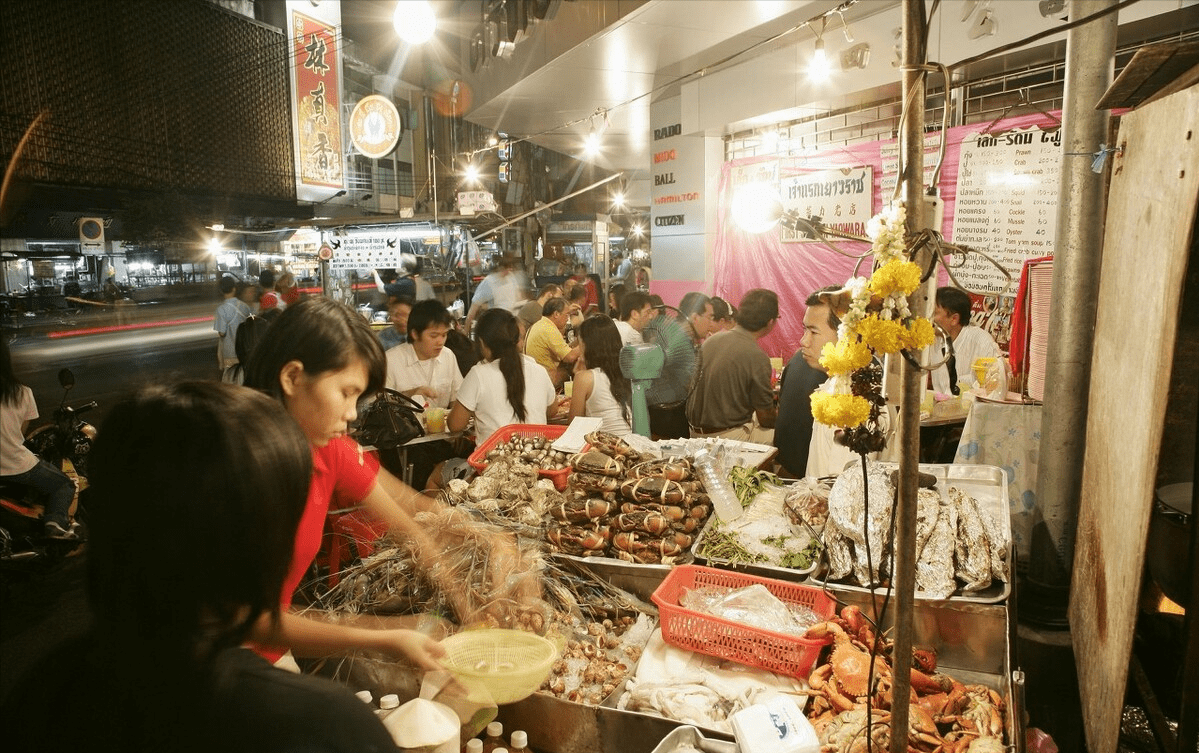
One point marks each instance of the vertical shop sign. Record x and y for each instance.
(315, 44)
(840, 198)
(1007, 196)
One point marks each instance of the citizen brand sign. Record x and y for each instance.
(667, 131)
(669, 220)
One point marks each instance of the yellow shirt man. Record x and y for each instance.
(546, 343)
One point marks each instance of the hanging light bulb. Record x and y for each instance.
(414, 21)
(618, 201)
(591, 146)
(819, 67)
(471, 173)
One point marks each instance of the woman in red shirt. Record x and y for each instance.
(318, 358)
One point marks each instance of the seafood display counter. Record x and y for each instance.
(973, 643)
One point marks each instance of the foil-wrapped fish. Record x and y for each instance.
(972, 552)
(847, 507)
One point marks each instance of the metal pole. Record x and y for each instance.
(912, 180)
(1090, 56)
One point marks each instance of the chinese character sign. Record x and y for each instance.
(840, 198)
(316, 98)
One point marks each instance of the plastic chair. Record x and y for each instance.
(357, 528)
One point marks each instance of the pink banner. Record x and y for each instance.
(743, 260)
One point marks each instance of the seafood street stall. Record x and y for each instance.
(612, 548)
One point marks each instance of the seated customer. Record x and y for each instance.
(546, 341)
(423, 368)
(506, 387)
(427, 371)
(600, 388)
(399, 309)
(162, 666)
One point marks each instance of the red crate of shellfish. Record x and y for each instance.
(478, 458)
(725, 639)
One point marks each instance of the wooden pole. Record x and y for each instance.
(912, 179)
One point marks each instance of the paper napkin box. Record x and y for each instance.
(775, 726)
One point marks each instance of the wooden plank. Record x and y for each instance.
(1151, 212)
(1153, 72)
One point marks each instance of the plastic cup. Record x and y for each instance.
(568, 388)
(980, 366)
(435, 420)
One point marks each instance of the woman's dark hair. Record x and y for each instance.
(758, 307)
(616, 296)
(10, 386)
(250, 333)
(721, 310)
(497, 329)
(226, 470)
(601, 348)
(266, 279)
(425, 314)
(323, 335)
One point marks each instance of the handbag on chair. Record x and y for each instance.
(390, 421)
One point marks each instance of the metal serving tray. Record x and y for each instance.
(973, 643)
(754, 568)
(988, 485)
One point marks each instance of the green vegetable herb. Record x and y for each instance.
(749, 483)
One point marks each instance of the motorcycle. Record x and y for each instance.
(65, 442)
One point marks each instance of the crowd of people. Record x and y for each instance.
(187, 626)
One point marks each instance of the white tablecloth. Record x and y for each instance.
(1008, 436)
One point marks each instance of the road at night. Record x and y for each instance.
(109, 364)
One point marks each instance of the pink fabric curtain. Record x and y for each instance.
(743, 260)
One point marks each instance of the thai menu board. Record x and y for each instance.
(1007, 196)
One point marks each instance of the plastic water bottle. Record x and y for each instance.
(366, 697)
(520, 742)
(494, 738)
(717, 486)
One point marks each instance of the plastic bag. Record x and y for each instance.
(997, 376)
(753, 605)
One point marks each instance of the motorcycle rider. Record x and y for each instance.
(19, 465)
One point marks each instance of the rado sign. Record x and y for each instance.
(666, 132)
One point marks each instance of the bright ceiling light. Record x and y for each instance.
(618, 200)
(756, 207)
(638, 230)
(591, 146)
(214, 247)
(471, 173)
(819, 67)
(414, 21)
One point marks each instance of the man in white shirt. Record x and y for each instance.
(426, 371)
(635, 312)
(952, 313)
(423, 368)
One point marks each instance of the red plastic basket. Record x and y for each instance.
(725, 639)
(478, 458)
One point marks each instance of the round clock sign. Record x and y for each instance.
(375, 126)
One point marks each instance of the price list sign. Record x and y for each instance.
(1006, 203)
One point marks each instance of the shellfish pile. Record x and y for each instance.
(622, 505)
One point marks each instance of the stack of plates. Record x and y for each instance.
(1040, 299)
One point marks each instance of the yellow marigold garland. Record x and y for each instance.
(896, 276)
(844, 356)
(845, 411)
(862, 335)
